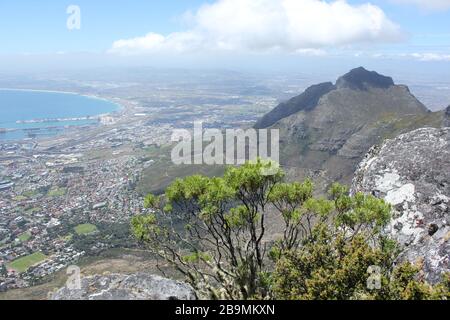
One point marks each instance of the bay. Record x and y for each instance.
(26, 113)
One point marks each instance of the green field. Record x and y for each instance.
(30, 193)
(24, 263)
(57, 192)
(24, 237)
(83, 229)
(20, 198)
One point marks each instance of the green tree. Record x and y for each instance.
(214, 232)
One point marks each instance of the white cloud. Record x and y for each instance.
(422, 56)
(311, 52)
(154, 42)
(297, 26)
(427, 4)
(430, 56)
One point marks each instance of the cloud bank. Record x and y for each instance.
(418, 56)
(295, 26)
(430, 56)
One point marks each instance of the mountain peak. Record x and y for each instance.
(360, 78)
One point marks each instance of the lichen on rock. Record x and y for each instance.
(412, 173)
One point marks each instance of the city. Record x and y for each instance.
(88, 175)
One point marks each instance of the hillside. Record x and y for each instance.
(325, 131)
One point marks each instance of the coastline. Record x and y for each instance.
(89, 96)
(119, 108)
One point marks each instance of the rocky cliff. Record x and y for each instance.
(412, 172)
(139, 286)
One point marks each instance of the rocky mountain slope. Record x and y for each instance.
(412, 172)
(138, 286)
(326, 131)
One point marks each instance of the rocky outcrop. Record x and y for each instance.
(138, 286)
(412, 173)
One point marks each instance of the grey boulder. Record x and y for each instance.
(412, 173)
(139, 286)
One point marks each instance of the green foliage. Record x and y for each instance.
(332, 267)
(326, 268)
(405, 285)
(237, 217)
(322, 208)
(362, 211)
(145, 227)
(151, 201)
(291, 195)
(197, 257)
(213, 231)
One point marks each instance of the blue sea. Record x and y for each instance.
(39, 113)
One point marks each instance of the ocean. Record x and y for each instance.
(28, 114)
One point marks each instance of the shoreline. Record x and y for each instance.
(89, 96)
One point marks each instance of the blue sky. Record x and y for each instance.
(408, 29)
(29, 26)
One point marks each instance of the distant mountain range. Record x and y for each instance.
(326, 131)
